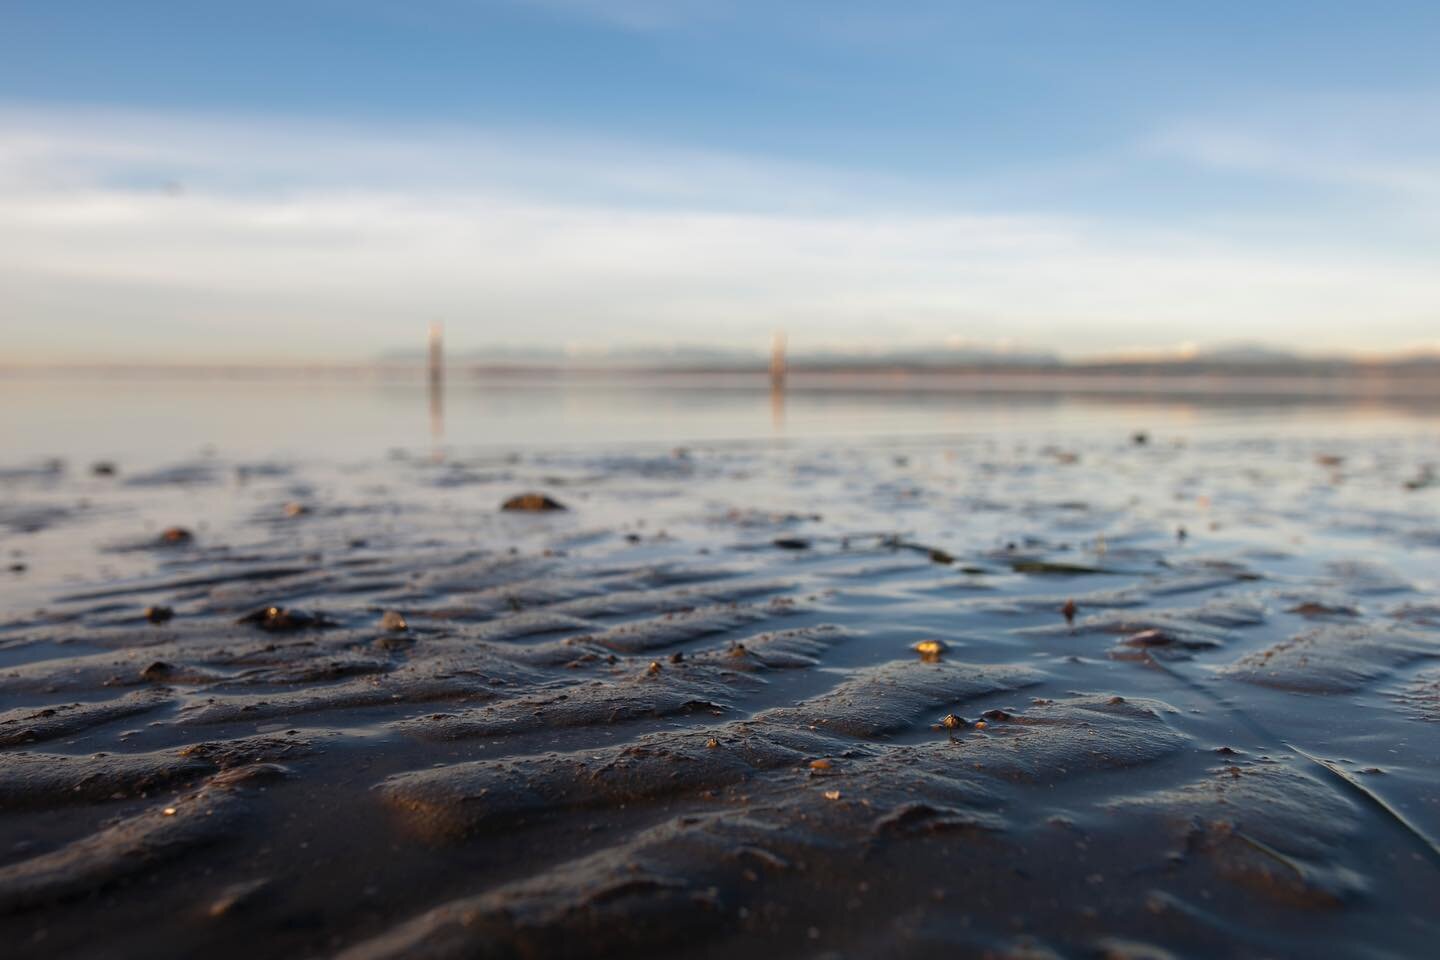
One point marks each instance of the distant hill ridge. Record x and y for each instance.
(1235, 358)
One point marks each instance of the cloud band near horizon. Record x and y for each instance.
(136, 234)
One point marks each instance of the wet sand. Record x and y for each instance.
(996, 695)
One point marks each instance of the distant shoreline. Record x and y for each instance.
(1418, 378)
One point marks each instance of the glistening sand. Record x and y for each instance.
(685, 717)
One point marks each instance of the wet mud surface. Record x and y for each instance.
(968, 697)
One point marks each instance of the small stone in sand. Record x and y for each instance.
(532, 503)
(159, 614)
(279, 619)
(931, 650)
(393, 620)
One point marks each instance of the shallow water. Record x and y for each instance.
(1231, 750)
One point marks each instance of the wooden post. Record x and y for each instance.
(777, 362)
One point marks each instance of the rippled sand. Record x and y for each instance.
(910, 698)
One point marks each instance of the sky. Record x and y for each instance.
(321, 180)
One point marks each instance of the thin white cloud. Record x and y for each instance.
(1388, 147)
(283, 240)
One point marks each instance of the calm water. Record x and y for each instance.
(148, 421)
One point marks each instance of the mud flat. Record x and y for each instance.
(1038, 697)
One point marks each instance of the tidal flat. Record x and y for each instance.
(1011, 693)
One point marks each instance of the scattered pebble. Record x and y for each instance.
(532, 503)
(931, 650)
(281, 619)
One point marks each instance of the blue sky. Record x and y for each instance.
(191, 178)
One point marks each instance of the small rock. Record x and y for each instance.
(159, 614)
(173, 536)
(931, 650)
(532, 503)
(280, 619)
(393, 620)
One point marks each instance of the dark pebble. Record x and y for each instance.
(532, 502)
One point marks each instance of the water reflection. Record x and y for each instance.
(437, 391)
(134, 418)
(777, 405)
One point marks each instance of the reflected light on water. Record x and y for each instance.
(145, 418)
(436, 380)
